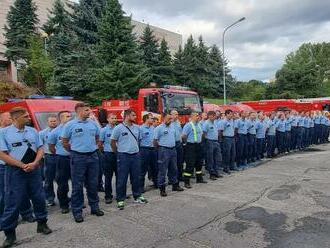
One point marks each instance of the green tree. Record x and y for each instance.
(71, 67)
(86, 19)
(252, 90)
(39, 68)
(58, 20)
(149, 47)
(165, 67)
(119, 72)
(179, 76)
(215, 72)
(21, 23)
(305, 73)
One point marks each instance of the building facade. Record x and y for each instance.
(8, 71)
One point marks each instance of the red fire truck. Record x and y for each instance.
(40, 107)
(155, 101)
(279, 105)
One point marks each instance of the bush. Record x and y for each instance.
(13, 90)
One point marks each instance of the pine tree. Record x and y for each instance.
(165, 67)
(214, 64)
(86, 17)
(22, 20)
(71, 67)
(58, 20)
(179, 73)
(164, 56)
(149, 47)
(120, 72)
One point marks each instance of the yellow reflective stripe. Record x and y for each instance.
(198, 172)
(194, 131)
(187, 174)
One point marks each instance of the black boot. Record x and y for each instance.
(200, 179)
(10, 239)
(176, 187)
(187, 183)
(162, 191)
(43, 228)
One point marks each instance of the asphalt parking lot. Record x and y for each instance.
(283, 202)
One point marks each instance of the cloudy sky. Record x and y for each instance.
(257, 47)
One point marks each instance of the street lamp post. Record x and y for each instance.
(223, 56)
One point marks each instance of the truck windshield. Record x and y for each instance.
(183, 103)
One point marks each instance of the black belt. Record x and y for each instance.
(85, 153)
(170, 148)
(242, 134)
(212, 140)
(130, 154)
(189, 143)
(147, 147)
(228, 137)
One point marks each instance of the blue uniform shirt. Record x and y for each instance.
(317, 120)
(126, 142)
(323, 120)
(189, 132)
(105, 135)
(271, 127)
(178, 131)
(251, 127)
(43, 136)
(211, 130)
(146, 136)
(228, 128)
(311, 122)
(281, 126)
(306, 122)
(1, 162)
(165, 135)
(294, 122)
(16, 142)
(261, 127)
(55, 139)
(300, 121)
(81, 135)
(288, 124)
(242, 126)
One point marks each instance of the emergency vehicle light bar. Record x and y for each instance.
(176, 87)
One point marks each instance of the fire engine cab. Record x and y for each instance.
(155, 101)
(41, 107)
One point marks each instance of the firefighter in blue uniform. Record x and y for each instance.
(281, 124)
(147, 151)
(227, 134)
(288, 130)
(301, 131)
(294, 130)
(178, 143)
(125, 142)
(307, 130)
(261, 129)
(25, 209)
(213, 151)
(251, 127)
(49, 161)
(109, 157)
(62, 161)
(80, 137)
(21, 150)
(192, 137)
(164, 141)
(271, 136)
(241, 126)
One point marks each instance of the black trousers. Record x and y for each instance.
(193, 158)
